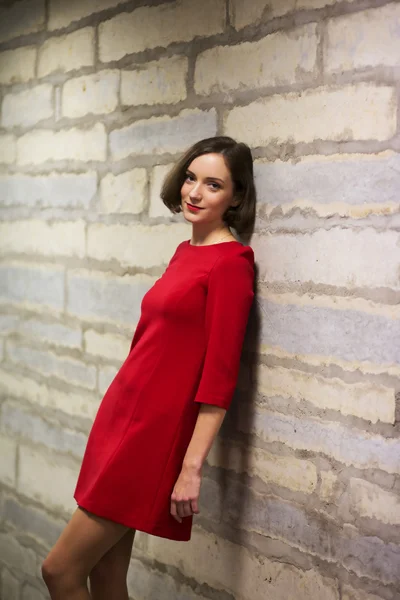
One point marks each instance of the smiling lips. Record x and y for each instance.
(193, 208)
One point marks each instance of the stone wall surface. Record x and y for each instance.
(301, 492)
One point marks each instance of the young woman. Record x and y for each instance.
(158, 419)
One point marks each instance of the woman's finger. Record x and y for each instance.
(195, 507)
(174, 511)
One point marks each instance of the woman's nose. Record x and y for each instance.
(195, 192)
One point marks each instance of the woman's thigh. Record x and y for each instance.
(82, 544)
(108, 576)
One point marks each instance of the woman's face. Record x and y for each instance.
(207, 191)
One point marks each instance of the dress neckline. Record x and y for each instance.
(212, 245)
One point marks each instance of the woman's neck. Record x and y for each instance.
(206, 238)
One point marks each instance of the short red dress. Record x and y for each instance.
(185, 351)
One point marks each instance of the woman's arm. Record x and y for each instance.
(184, 499)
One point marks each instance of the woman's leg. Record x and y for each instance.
(108, 577)
(81, 545)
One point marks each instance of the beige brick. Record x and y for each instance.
(71, 144)
(286, 471)
(328, 481)
(152, 27)
(158, 82)
(48, 478)
(359, 112)
(209, 559)
(67, 52)
(349, 593)
(371, 501)
(8, 462)
(21, 18)
(157, 206)
(163, 134)
(135, 246)
(245, 13)
(343, 257)
(365, 39)
(8, 149)
(63, 13)
(365, 400)
(107, 345)
(123, 193)
(278, 59)
(28, 107)
(106, 376)
(42, 237)
(17, 66)
(79, 404)
(90, 94)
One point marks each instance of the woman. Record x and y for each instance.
(159, 417)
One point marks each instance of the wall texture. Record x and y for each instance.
(301, 494)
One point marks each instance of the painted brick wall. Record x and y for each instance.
(301, 493)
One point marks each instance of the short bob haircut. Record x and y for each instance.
(239, 161)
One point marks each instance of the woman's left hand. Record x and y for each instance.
(185, 497)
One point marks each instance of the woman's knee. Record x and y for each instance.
(58, 576)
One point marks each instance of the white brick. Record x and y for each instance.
(42, 237)
(124, 193)
(17, 66)
(135, 246)
(163, 134)
(343, 257)
(8, 462)
(53, 333)
(286, 471)
(350, 446)
(49, 364)
(278, 59)
(90, 94)
(8, 149)
(158, 82)
(73, 144)
(366, 39)
(79, 404)
(157, 206)
(152, 27)
(54, 189)
(359, 112)
(99, 296)
(209, 559)
(63, 13)
(47, 478)
(371, 501)
(245, 13)
(67, 52)
(365, 400)
(28, 107)
(16, 556)
(344, 184)
(107, 345)
(328, 481)
(39, 287)
(349, 593)
(21, 18)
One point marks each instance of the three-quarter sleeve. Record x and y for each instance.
(229, 299)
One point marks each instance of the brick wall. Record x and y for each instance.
(301, 494)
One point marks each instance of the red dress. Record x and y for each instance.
(185, 351)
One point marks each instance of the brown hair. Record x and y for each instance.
(239, 161)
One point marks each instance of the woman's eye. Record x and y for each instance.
(214, 186)
(189, 177)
